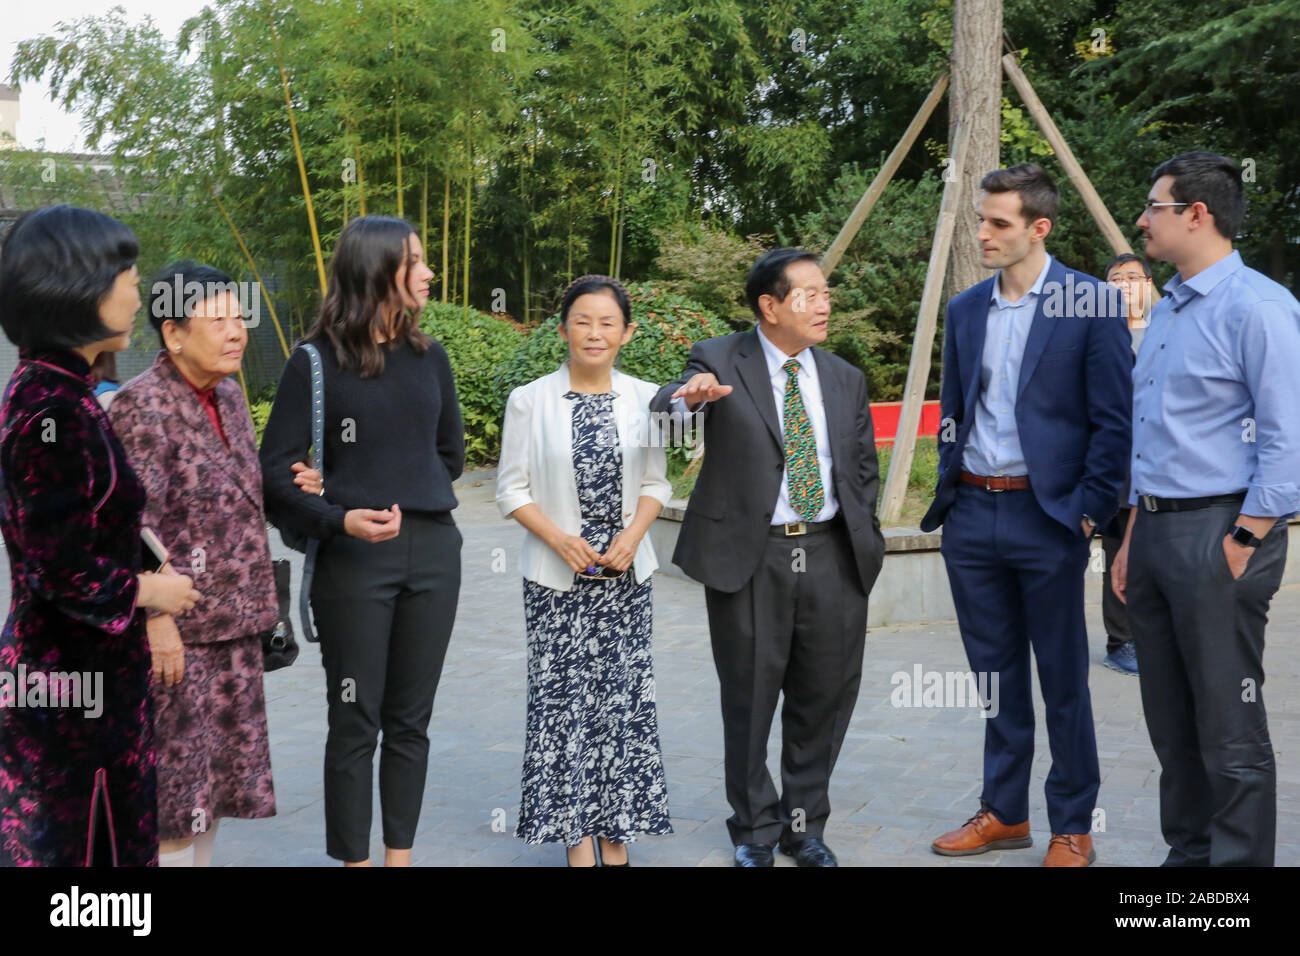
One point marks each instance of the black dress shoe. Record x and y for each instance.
(809, 852)
(753, 854)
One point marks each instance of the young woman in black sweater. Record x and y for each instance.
(388, 570)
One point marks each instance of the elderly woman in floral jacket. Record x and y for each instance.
(187, 431)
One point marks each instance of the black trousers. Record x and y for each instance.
(799, 628)
(1114, 615)
(384, 613)
(1200, 640)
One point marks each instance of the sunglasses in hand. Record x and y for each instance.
(600, 573)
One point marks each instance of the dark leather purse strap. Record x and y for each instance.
(318, 446)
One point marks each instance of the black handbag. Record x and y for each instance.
(291, 537)
(279, 649)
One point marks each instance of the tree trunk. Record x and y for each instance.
(975, 97)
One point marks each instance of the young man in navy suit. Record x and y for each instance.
(1034, 444)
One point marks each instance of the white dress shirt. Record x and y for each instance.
(810, 390)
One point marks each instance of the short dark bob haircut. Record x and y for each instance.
(173, 293)
(56, 266)
(594, 283)
(767, 276)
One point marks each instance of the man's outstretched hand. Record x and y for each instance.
(702, 388)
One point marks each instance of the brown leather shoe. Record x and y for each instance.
(1070, 849)
(981, 833)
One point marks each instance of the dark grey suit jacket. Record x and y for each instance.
(726, 524)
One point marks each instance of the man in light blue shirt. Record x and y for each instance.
(1216, 473)
(994, 444)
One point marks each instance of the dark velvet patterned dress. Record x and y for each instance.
(592, 764)
(70, 514)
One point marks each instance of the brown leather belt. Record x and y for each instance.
(996, 482)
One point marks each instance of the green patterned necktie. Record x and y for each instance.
(804, 475)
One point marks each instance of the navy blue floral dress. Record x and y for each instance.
(592, 764)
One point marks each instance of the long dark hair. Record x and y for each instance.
(362, 287)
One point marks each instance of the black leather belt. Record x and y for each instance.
(794, 528)
(1154, 504)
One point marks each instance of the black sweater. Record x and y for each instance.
(396, 438)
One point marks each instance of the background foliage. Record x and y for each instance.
(663, 141)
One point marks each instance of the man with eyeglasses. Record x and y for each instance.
(783, 534)
(1215, 475)
(1132, 275)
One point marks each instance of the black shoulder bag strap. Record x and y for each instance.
(318, 446)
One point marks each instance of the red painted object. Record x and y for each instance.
(885, 415)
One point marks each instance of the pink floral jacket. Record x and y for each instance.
(204, 499)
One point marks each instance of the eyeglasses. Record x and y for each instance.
(1152, 204)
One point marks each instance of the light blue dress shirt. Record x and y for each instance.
(993, 447)
(1216, 392)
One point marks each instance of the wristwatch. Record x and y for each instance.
(1245, 537)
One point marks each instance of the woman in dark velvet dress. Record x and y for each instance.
(77, 784)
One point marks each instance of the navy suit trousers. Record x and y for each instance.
(1017, 580)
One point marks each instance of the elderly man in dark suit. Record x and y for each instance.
(782, 532)
(1034, 443)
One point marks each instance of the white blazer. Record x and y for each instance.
(537, 467)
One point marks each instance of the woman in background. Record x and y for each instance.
(103, 376)
(1131, 274)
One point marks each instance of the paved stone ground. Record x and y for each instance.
(904, 775)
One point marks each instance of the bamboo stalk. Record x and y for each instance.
(446, 233)
(302, 166)
(615, 230)
(397, 121)
(469, 184)
(523, 194)
(424, 214)
(252, 265)
(361, 179)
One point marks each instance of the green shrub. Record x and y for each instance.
(260, 409)
(668, 325)
(479, 346)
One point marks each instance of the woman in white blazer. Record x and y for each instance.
(583, 471)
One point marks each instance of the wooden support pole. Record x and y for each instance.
(918, 370)
(859, 215)
(1091, 199)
